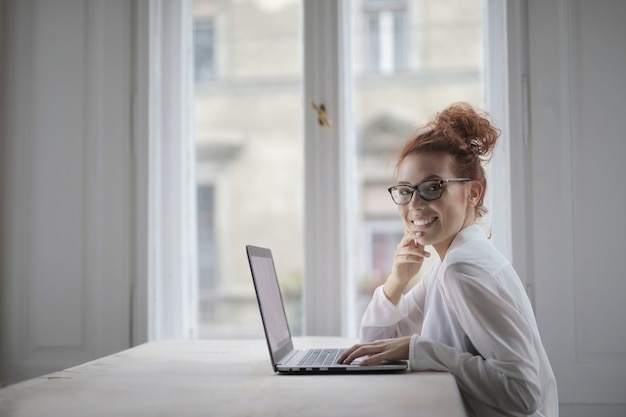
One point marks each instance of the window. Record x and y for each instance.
(249, 146)
(204, 50)
(259, 159)
(207, 263)
(386, 35)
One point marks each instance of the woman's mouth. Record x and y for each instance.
(423, 223)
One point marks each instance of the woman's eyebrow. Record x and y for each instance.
(430, 177)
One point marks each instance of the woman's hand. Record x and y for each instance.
(380, 350)
(407, 262)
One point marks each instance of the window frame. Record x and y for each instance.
(378, 41)
(164, 293)
(328, 273)
(165, 202)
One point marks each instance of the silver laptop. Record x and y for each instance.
(278, 335)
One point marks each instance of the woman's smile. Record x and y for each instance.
(423, 223)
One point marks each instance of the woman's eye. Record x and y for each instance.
(434, 186)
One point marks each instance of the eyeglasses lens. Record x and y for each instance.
(402, 194)
(428, 191)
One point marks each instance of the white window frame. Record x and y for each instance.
(506, 75)
(165, 290)
(329, 168)
(165, 184)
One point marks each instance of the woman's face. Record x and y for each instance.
(439, 220)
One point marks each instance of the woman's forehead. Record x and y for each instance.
(417, 167)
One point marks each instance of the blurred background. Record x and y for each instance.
(410, 58)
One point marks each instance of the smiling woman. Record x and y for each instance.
(470, 314)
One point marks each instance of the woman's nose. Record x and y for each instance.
(416, 201)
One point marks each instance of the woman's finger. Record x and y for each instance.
(356, 352)
(347, 353)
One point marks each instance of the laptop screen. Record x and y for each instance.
(269, 298)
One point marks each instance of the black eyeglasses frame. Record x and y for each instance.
(415, 188)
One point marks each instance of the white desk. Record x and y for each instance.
(224, 378)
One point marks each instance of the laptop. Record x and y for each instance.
(284, 357)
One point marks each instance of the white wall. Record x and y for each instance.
(67, 232)
(574, 171)
(96, 221)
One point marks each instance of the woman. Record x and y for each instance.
(470, 314)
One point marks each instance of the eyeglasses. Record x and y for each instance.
(428, 190)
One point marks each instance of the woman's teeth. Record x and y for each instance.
(424, 222)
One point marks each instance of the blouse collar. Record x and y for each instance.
(468, 234)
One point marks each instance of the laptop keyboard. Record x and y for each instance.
(321, 357)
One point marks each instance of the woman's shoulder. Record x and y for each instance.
(480, 279)
(476, 260)
(471, 247)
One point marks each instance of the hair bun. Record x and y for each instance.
(470, 129)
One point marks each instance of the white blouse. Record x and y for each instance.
(470, 316)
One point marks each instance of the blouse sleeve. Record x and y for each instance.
(384, 320)
(505, 374)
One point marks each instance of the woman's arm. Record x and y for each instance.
(383, 319)
(407, 261)
(494, 314)
(481, 378)
(390, 313)
(506, 373)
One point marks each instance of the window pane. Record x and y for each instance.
(373, 43)
(249, 135)
(400, 41)
(437, 50)
(204, 50)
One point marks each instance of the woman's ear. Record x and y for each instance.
(475, 192)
